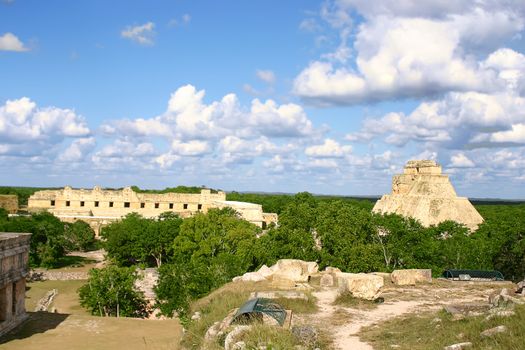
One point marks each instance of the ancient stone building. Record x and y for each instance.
(424, 193)
(14, 255)
(9, 202)
(101, 206)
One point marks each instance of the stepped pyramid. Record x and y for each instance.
(424, 193)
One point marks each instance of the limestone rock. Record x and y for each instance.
(458, 346)
(411, 276)
(327, 280)
(424, 193)
(229, 341)
(493, 331)
(294, 270)
(361, 285)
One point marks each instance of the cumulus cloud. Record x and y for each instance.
(10, 42)
(409, 50)
(142, 34)
(267, 75)
(28, 129)
(329, 149)
(189, 117)
(460, 160)
(78, 150)
(461, 119)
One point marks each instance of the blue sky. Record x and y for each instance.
(326, 96)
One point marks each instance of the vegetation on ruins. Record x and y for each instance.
(178, 189)
(111, 291)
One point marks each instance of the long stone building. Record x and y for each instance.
(14, 257)
(100, 207)
(424, 193)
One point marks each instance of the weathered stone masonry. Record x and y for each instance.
(14, 257)
(424, 193)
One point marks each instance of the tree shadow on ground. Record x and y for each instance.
(38, 322)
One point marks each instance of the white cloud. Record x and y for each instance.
(10, 42)
(408, 50)
(78, 150)
(329, 149)
(460, 160)
(26, 128)
(188, 117)
(142, 34)
(461, 120)
(267, 75)
(191, 148)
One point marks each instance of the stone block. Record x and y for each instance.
(361, 285)
(411, 276)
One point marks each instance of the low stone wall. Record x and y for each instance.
(45, 275)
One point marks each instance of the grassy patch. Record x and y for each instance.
(274, 338)
(346, 299)
(430, 331)
(299, 306)
(215, 307)
(66, 300)
(218, 304)
(73, 261)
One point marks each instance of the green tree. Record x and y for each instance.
(209, 251)
(78, 236)
(136, 239)
(111, 292)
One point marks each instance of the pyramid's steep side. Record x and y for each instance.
(423, 193)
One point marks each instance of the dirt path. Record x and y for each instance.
(345, 323)
(345, 335)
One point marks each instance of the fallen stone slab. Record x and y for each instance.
(458, 346)
(360, 285)
(411, 276)
(493, 331)
(294, 270)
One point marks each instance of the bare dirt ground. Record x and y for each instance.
(55, 331)
(344, 323)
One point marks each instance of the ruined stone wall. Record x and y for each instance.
(9, 202)
(99, 207)
(14, 257)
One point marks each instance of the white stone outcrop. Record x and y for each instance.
(294, 270)
(411, 276)
(361, 285)
(285, 270)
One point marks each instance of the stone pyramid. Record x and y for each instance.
(424, 193)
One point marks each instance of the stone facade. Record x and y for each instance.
(9, 202)
(100, 207)
(424, 193)
(14, 256)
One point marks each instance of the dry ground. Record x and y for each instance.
(345, 322)
(72, 327)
